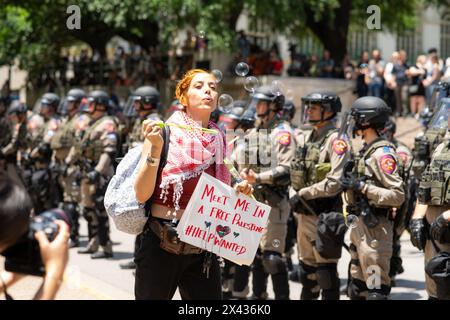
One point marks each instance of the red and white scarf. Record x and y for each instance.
(190, 153)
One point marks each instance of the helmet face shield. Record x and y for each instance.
(347, 126)
(441, 115)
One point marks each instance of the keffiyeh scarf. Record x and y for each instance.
(190, 153)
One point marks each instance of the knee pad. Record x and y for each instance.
(356, 288)
(304, 271)
(273, 263)
(327, 276)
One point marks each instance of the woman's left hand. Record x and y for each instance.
(245, 187)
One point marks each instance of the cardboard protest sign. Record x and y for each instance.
(221, 221)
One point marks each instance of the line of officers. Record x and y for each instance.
(65, 154)
(318, 188)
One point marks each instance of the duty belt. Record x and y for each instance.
(171, 243)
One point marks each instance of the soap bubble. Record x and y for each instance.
(202, 34)
(352, 221)
(277, 88)
(217, 74)
(225, 103)
(242, 69)
(276, 243)
(251, 83)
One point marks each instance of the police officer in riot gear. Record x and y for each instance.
(402, 215)
(69, 176)
(232, 119)
(373, 189)
(146, 102)
(17, 140)
(41, 182)
(433, 201)
(315, 170)
(268, 155)
(95, 154)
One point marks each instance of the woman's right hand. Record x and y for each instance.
(55, 254)
(152, 132)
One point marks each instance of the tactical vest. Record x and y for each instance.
(259, 145)
(65, 137)
(434, 188)
(423, 148)
(360, 161)
(92, 149)
(305, 167)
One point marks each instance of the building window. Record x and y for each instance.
(410, 41)
(359, 41)
(445, 35)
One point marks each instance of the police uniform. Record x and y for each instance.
(277, 145)
(403, 214)
(97, 151)
(68, 176)
(17, 143)
(435, 189)
(315, 171)
(371, 246)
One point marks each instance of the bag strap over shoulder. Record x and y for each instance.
(162, 164)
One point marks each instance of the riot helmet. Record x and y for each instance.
(328, 102)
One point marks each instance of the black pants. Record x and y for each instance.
(159, 273)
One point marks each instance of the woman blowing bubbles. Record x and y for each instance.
(163, 265)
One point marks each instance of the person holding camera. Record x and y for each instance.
(15, 209)
(163, 262)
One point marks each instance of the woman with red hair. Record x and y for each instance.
(163, 262)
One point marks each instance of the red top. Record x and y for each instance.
(188, 190)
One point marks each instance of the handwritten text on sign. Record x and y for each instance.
(219, 220)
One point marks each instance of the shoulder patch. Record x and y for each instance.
(388, 163)
(340, 146)
(284, 138)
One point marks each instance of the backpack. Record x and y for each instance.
(120, 202)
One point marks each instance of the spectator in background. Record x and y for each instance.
(326, 65)
(446, 76)
(400, 70)
(374, 79)
(243, 44)
(276, 64)
(416, 89)
(361, 85)
(390, 82)
(313, 68)
(432, 77)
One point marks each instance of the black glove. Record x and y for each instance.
(418, 233)
(295, 203)
(440, 230)
(351, 183)
(93, 176)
